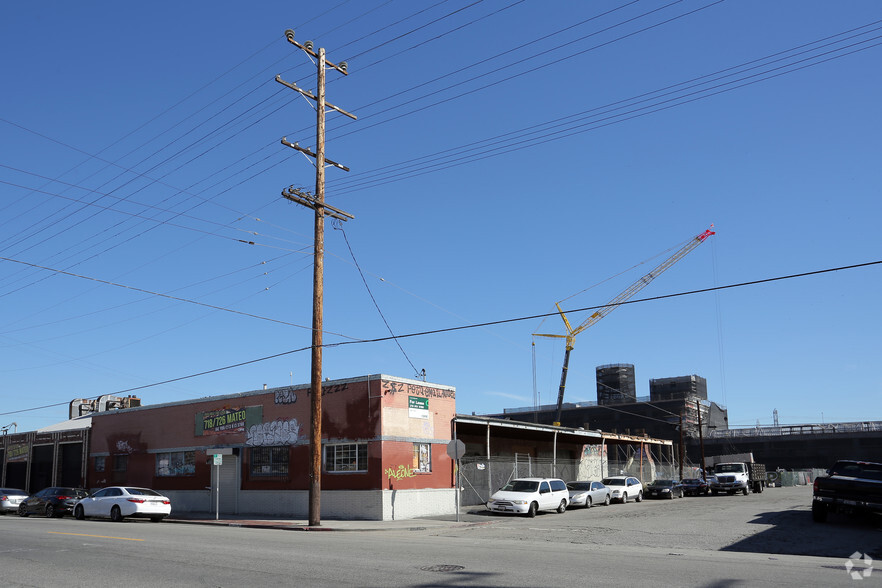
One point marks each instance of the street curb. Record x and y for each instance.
(286, 527)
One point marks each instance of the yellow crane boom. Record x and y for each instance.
(610, 306)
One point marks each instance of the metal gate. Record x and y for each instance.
(481, 477)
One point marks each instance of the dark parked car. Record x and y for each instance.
(850, 486)
(695, 486)
(10, 498)
(664, 489)
(53, 501)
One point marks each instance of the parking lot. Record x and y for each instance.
(777, 521)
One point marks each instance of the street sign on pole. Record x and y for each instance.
(456, 449)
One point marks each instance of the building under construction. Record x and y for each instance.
(675, 388)
(616, 383)
(618, 409)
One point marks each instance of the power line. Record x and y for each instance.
(480, 325)
(161, 295)
(513, 144)
(374, 300)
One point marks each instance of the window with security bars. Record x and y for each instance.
(176, 463)
(120, 463)
(269, 461)
(346, 457)
(422, 457)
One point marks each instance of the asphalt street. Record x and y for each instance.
(706, 541)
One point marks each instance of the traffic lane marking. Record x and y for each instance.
(98, 536)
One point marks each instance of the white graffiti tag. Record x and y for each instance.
(277, 432)
(124, 447)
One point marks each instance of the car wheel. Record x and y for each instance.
(819, 512)
(588, 502)
(50, 511)
(562, 507)
(115, 514)
(744, 491)
(606, 500)
(640, 496)
(156, 519)
(531, 512)
(78, 513)
(625, 498)
(22, 510)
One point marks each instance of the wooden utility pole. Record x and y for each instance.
(317, 203)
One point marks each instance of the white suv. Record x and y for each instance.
(624, 488)
(530, 495)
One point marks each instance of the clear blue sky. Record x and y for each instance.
(507, 155)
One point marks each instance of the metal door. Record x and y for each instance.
(225, 486)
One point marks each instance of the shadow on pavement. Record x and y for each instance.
(793, 532)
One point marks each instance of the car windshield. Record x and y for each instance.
(870, 471)
(730, 467)
(665, 483)
(614, 481)
(521, 486)
(142, 491)
(691, 481)
(579, 486)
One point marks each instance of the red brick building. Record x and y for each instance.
(384, 456)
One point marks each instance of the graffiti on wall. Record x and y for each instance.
(327, 390)
(17, 452)
(122, 446)
(125, 444)
(285, 396)
(416, 390)
(273, 433)
(402, 472)
(591, 466)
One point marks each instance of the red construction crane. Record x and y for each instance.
(612, 305)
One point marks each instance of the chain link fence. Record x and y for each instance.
(481, 476)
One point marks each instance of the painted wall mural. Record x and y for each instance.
(273, 433)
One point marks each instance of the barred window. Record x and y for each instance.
(99, 463)
(422, 457)
(120, 463)
(176, 463)
(346, 457)
(269, 461)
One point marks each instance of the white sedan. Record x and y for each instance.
(118, 502)
(588, 493)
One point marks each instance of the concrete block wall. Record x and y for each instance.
(184, 501)
(372, 505)
(409, 504)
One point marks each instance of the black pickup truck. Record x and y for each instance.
(850, 486)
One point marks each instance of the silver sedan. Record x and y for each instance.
(587, 493)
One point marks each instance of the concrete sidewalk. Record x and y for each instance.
(468, 518)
